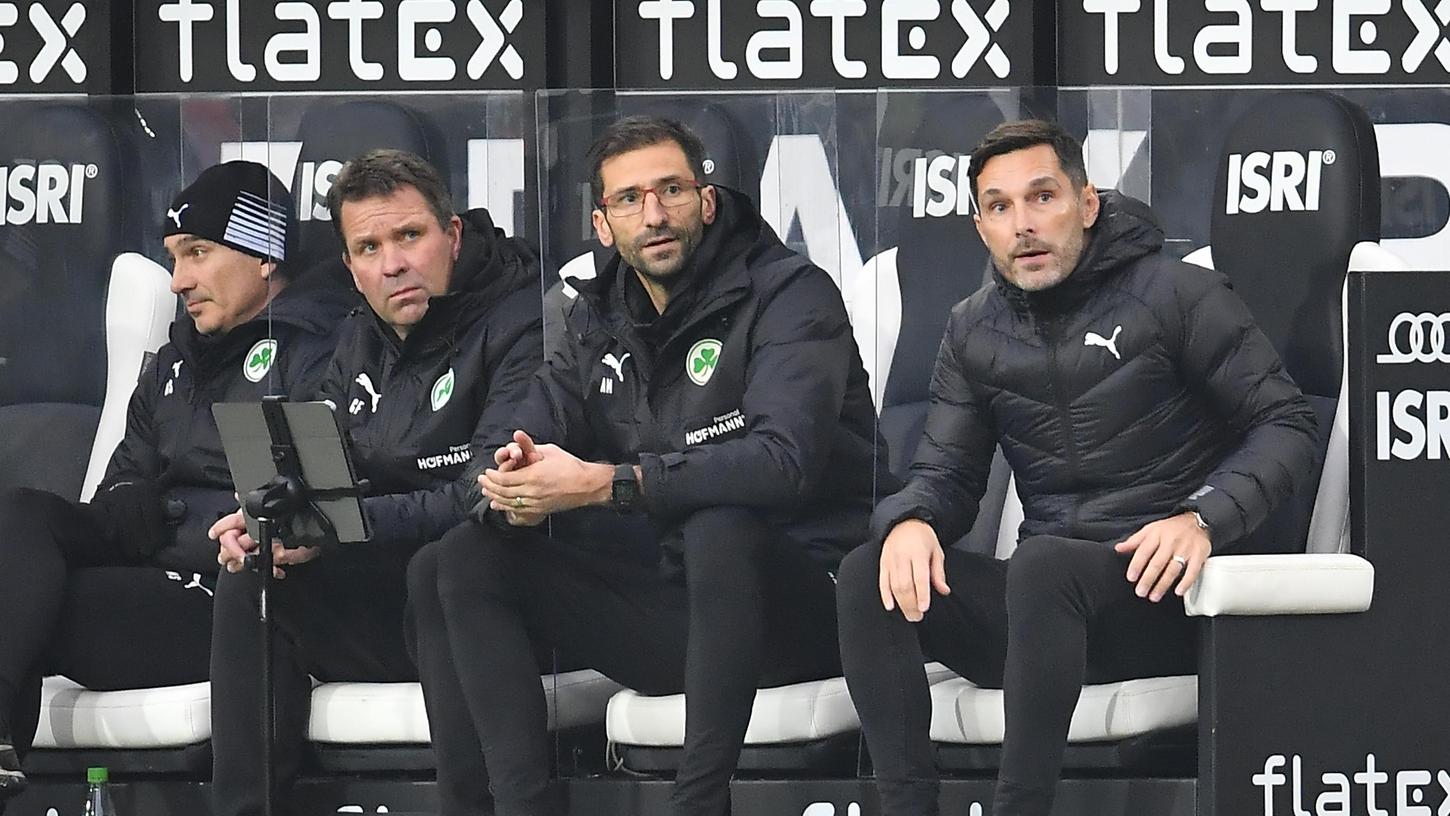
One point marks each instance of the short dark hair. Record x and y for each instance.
(634, 132)
(1009, 137)
(382, 172)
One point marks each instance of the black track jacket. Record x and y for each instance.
(747, 391)
(171, 437)
(1137, 383)
(419, 410)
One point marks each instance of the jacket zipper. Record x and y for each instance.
(1064, 410)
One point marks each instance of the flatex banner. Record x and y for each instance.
(55, 47)
(1253, 42)
(709, 44)
(338, 45)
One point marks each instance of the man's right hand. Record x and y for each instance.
(234, 542)
(912, 562)
(516, 454)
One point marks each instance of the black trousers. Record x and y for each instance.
(751, 610)
(71, 604)
(1059, 613)
(338, 618)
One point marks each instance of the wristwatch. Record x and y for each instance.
(1202, 525)
(624, 493)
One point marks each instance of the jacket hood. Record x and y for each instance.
(720, 264)
(1126, 230)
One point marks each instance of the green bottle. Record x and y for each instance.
(98, 798)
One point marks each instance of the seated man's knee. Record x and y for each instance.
(1038, 562)
(858, 581)
(715, 538)
(470, 558)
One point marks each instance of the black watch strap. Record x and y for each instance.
(624, 493)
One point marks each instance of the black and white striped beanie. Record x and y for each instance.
(239, 204)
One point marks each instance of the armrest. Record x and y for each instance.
(1291, 584)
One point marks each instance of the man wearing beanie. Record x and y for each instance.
(117, 593)
(422, 379)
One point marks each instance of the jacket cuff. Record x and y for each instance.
(893, 511)
(654, 493)
(1221, 513)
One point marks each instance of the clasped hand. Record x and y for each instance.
(529, 481)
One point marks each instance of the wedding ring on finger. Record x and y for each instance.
(518, 502)
(1181, 561)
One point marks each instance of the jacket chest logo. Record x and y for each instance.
(1109, 343)
(702, 360)
(615, 364)
(366, 382)
(442, 390)
(171, 381)
(259, 360)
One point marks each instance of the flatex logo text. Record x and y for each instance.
(1278, 181)
(1368, 790)
(418, 27)
(44, 193)
(56, 47)
(1312, 37)
(777, 41)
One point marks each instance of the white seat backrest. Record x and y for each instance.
(139, 309)
(1329, 527)
(1011, 522)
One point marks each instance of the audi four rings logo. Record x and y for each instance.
(1417, 338)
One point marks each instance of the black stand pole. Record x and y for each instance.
(273, 505)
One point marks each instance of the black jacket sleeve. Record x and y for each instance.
(948, 476)
(138, 454)
(1225, 355)
(307, 364)
(514, 349)
(801, 352)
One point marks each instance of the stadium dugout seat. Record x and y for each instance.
(143, 730)
(1289, 264)
(803, 726)
(381, 727)
(69, 212)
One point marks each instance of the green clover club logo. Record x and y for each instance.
(443, 390)
(259, 360)
(700, 363)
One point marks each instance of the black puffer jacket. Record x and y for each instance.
(419, 410)
(748, 390)
(171, 436)
(1117, 395)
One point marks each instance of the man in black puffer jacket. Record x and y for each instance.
(1148, 422)
(117, 593)
(710, 380)
(423, 378)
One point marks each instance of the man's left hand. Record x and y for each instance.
(556, 481)
(1165, 551)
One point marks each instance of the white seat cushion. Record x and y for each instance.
(171, 717)
(964, 713)
(387, 713)
(800, 712)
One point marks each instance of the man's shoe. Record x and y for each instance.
(12, 779)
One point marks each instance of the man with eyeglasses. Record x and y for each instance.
(703, 439)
